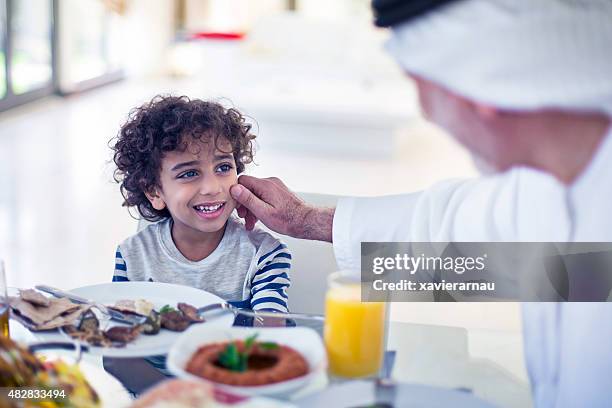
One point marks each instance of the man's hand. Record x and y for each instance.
(270, 201)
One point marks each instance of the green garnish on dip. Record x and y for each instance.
(235, 360)
(166, 309)
(268, 345)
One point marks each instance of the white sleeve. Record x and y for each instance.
(519, 205)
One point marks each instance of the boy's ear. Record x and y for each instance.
(156, 201)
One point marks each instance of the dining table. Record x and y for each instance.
(433, 361)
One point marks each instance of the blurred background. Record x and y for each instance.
(333, 114)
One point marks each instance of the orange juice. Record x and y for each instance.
(4, 303)
(4, 320)
(354, 332)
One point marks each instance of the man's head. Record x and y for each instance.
(178, 157)
(553, 140)
(495, 72)
(482, 129)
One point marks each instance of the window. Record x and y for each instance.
(27, 54)
(31, 38)
(89, 44)
(2, 50)
(39, 57)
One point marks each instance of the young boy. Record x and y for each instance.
(176, 160)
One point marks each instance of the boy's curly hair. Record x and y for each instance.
(168, 123)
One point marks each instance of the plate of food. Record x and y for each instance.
(163, 311)
(249, 361)
(56, 381)
(177, 393)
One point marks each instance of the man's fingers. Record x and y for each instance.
(278, 181)
(250, 221)
(249, 182)
(249, 200)
(258, 185)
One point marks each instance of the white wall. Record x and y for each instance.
(148, 31)
(227, 15)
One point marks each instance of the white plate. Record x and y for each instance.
(159, 294)
(304, 340)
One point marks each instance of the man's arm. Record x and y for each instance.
(271, 202)
(505, 207)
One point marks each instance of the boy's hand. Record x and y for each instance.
(270, 201)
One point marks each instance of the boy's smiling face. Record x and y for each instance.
(195, 186)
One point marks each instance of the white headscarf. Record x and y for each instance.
(515, 54)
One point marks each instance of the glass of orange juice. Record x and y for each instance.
(354, 331)
(4, 303)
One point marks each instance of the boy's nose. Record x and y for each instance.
(210, 186)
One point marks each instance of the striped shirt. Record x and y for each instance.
(250, 269)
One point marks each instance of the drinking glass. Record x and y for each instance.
(354, 331)
(4, 303)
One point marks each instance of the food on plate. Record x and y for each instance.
(17, 365)
(179, 320)
(177, 394)
(20, 368)
(139, 306)
(88, 321)
(168, 317)
(95, 337)
(31, 311)
(190, 312)
(153, 323)
(88, 330)
(88, 327)
(123, 334)
(194, 394)
(247, 363)
(175, 320)
(38, 312)
(34, 297)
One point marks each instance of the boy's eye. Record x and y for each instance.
(188, 174)
(224, 168)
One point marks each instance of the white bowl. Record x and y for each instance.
(303, 340)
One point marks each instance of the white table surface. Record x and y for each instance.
(451, 357)
(425, 354)
(443, 356)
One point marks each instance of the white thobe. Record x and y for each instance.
(568, 346)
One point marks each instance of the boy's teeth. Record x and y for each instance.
(208, 208)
